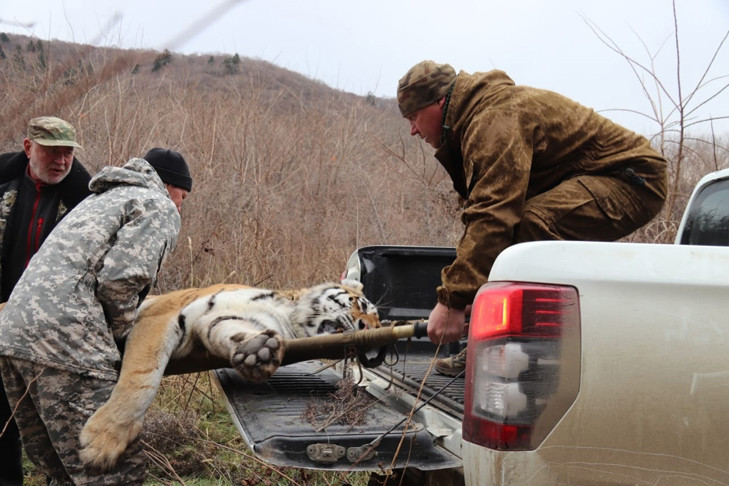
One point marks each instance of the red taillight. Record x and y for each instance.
(503, 437)
(519, 311)
(521, 337)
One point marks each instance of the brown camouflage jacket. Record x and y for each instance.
(503, 144)
(81, 290)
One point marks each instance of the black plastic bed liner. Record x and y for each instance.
(271, 418)
(402, 280)
(411, 370)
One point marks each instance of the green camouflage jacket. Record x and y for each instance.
(81, 290)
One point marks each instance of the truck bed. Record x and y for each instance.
(274, 417)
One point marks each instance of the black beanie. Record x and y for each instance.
(171, 167)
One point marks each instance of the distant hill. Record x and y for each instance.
(290, 175)
(61, 71)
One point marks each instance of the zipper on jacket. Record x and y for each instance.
(32, 244)
(38, 233)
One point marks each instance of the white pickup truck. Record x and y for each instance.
(589, 364)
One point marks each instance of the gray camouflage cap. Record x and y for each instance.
(423, 84)
(52, 132)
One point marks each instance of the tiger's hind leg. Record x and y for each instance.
(208, 322)
(109, 431)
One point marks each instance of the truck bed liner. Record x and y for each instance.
(409, 373)
(270, 417)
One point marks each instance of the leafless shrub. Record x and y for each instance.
(676, 111)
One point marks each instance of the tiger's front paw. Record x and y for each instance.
(104, 438)
(257, 358)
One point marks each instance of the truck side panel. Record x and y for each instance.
(654, 385)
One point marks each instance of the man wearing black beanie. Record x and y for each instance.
(174, 172)
(114, 243)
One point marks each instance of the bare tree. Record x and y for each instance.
(675, 110)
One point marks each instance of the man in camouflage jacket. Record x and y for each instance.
(79, 295)
(38, 186)
(529, 165)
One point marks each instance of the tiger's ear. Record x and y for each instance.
(352, 284)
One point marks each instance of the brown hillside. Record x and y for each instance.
(289, 175)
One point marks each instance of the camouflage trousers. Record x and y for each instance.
(51, 407)
(595, 208)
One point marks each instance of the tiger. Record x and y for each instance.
(245, 326)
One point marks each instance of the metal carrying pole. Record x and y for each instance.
(335, 346)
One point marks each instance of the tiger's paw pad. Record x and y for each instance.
(257, 358)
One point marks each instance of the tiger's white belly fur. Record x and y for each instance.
(245, 326)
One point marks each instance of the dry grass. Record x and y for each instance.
(289, 177)
(347, 406)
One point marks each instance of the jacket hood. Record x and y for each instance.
(136, 172)
(472, 91)
(492, 78)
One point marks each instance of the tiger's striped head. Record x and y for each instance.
(331, 308)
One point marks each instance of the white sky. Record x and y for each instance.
(366, 46)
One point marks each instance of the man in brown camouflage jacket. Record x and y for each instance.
(78, 296)
(530, 164)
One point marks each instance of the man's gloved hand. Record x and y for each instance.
(446, 324)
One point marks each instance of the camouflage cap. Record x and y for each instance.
(52, 132)
(423, 84)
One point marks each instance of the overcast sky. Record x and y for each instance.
(366, 46)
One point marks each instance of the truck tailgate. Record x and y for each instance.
(271, 418)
